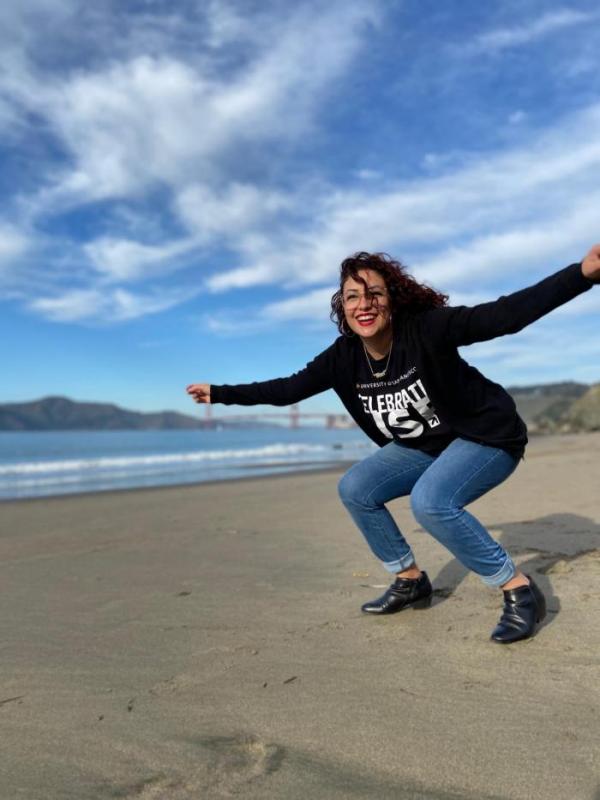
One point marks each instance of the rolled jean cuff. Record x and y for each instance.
(400, 564)
(502, 576)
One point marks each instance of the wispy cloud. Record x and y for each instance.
(312, 305)
(155, 114)
(547, 349)
(124, 260)
(232, 211)
(159, 118)
(13, 243)
(514, 211)
(160, 115)
(105, 306)
(311, 308)
(520, 249)
(533, 30)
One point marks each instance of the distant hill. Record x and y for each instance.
(584, 413)
(545, 407)
(60, 413)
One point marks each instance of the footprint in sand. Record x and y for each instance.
(227, 764)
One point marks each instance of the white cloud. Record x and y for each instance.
(230, 214)
(512, 212)
(225, 24)
(552, 242)
(132, 125)
(544, 352)
(159, 119)
(517, 117)
(587, 304)
(311, 306)
(13, 244)
(166, 103)
(584, 305)
(114, 305)
(123, 260)
(231, 211)
(243, 277)
(368, 174)
(176, 112)
(511, 215)
(9, 117)
(517, 35)
(229, 323)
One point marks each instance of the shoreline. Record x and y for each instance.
(537, 446)
(287, 473)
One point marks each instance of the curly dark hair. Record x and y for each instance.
(407, 295)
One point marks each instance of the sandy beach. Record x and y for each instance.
(207, 642)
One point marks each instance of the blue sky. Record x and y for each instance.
(181, 180)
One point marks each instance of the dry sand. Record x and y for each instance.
(206, 642)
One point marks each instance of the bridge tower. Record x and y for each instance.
(295, 416)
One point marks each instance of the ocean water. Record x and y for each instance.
(47, 463)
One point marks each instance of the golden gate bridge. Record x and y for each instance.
(294, 417)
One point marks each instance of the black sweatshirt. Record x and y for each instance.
(442, 388)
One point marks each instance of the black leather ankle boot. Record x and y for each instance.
(524, 607)
(403, 592)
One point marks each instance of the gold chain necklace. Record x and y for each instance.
(387, 363)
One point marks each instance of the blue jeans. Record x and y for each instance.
(439, 488)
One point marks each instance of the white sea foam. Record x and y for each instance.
(283, 453)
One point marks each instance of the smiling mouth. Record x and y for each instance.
(366, 319)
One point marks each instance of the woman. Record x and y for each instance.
(447, 434)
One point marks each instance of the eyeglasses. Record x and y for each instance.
(353, 299)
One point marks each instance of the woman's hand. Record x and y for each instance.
(590, 266)
(200, 392)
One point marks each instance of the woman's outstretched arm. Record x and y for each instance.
(316, 377)
(462, 325)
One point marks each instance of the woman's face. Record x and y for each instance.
(367, 312)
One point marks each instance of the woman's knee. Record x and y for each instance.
(426, 504)
(351, 487)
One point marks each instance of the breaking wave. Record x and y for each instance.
(285, 452)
